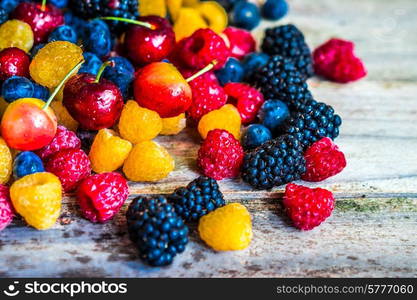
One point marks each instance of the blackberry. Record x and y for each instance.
(280, 80)
(288, 41)
(274, 163)
(158, 232)
(312, 121)
(88, 9)
(200, 197)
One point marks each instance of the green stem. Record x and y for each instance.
(101, 70)
(202, 71)
(136, 22)
(43, 6)
(61, 84)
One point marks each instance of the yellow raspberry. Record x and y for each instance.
(214, 14)
(226, 117)
(37, 198)
(152, 8)
(63, 116)
(3, 106)
(187, 22)
(173, 7)
(108, 151)
(138, 124)
(15, 33)
(6, 161)
(148, 161)
(226, 228)
(174, 125)
(53, 62)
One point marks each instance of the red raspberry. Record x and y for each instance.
(336, 61)
(64, 139)
(221, 155)
(6, 208)
(247, 99)
(307, 207)
(201, 48)
(71, 166)
(207, 96)
(101, 196)
(241, 42)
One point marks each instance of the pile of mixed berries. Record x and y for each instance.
(86, 86)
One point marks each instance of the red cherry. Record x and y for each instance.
(13, 62)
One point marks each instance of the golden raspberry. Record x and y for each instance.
(174, 125)
(148, 161)
(138, 124)
(214, 14)
(226, 117)
(152, 8)
(187, 22)
(63, 116)
(53, 62)
(6, 161)
(15, 33)
(37, 198)
(226, 228)
(108, 151)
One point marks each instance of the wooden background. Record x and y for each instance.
(373, 229)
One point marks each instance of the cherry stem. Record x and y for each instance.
(106, 64)
(136, 22)
(61, 84)
(43, 6)
(202, 71)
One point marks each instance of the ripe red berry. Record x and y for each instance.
(64, 139)
(6, 208)
(247, 99)
(13, 62)
(241, 42)
(101, 196)
(306, 207)
(323, 160)
(71, 166)
(221, 155)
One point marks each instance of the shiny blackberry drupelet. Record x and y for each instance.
(200, 197)
(89, 9)
(278, 79)
(312, 121)
(288, 41)
(158, 232)
(276, 162)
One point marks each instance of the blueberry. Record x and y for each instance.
(274, 9)
(232, 71)
(63, 33)
(17, 87)
(10, 5)
(40, 92)
(3, 16)
(122, 74)
(91, 65)
(254, 61)
(75, 22)
(59, 3)
(255, 135)
(36, 48)
(26, 163)
(96, 38)
(245, 15)
(273, 113)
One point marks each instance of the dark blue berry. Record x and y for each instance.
(10, 5)
(254, 61)
(17, 87)
(96, 38)
(122, 74)
(232, 71)
(36, 49)
(75, 22)
(274, 9)
(59, 3)
(91, 65)
(26, 163)
(273, 113)
(245, 15)
(40, 92)
(4, 16)
(255, 135)
(63, 33)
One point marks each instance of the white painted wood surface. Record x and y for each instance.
(373, 229)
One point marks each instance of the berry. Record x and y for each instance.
(188, 21)
(274, 163)
(157, 231)
(207, 96)
(226, 117)
(273, 113)
(307, 208)
(97, 38)
(15, 33)
(200, 197)
(59, 3)
(152, 8)
(247, 99)
(17, 87)
(86, 137)
(37, 198)
(148, 161)
(6, 208)
(75, 22)
(255, 135)
(174, 125)
(323, 160)
(63, 139)
(4, 16)
(101, 196)
(254, 61)
(6, 161)
(336, 61)
(241, 42)
(26, 163)
(274, 9)
(232, 71)
(214, 14)
(13, 62)
(35, 49)
(121, 74)
(108, 151)
(220, 156)
(288, 41)
(245, 15)
(40, 92)
(63, 33)
(91, 65)
(71, 166)
(312, 121)
(10, 5)
(227, 228)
